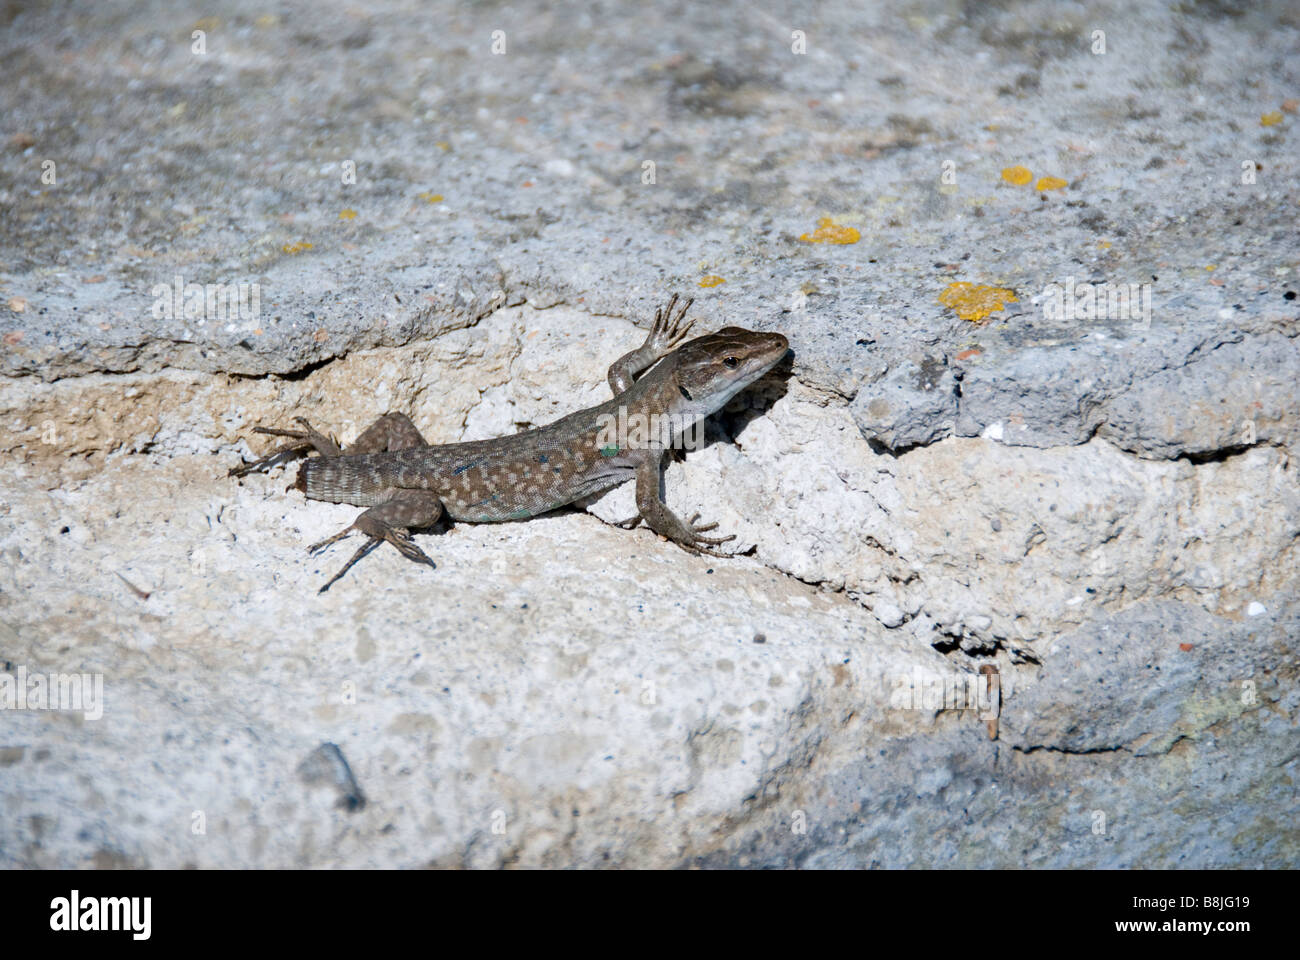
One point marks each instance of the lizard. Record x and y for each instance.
(407, 484)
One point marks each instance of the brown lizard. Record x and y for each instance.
(407, 483)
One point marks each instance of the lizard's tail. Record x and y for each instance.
(352, 480)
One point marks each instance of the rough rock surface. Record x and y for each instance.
(1104, 511)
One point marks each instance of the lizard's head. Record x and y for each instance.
(712, 369)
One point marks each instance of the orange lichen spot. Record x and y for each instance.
(712, 280)
(526, 183)
(12, 337)
(296, 247)
(975, 303)
(428, 197)
(1186, 647)
(1051, 183)
(828, 231)
(347, 214)
(1017, 175)
(1271, 119)
(967, 354)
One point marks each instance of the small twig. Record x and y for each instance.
(142, 594)
(994, 681)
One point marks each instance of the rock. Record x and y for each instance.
(887, 613)
(1084, 503)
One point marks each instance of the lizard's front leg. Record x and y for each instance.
(664, 337)
(649, 501)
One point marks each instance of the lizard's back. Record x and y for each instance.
(504, 478)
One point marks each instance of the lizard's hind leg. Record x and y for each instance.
(307, 439)
(391, 521)
(392, 431)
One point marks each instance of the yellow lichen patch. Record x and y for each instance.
(1017, 175)
(430, 197)
(975, 303)
(712, 280)
(1271, 119)
(266, 20)
(207, 24)
(298, 247)
(347, 214)
(828, 231)
(1210, 267)
(1051, 183)
(443, 145)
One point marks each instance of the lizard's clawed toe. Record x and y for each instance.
(318, 547)
(270, 462)
(696, 530)
(304, 441)
(407, 548)
(715, 540)
(370, 544)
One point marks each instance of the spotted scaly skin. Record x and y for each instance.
(408, 484)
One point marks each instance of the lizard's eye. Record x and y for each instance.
(731, 363)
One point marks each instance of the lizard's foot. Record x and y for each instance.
(389, 522)
(398, 538)
(407, 548)
(318, 547)
(285, 454)
(402, 541)
(668, 331)
(690, 537)
(705, 528)
(308, 439)
(370, 544)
